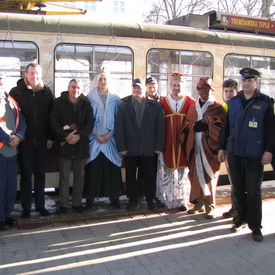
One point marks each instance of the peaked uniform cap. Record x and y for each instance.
(249, 73)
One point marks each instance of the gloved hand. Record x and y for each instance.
(200, 126)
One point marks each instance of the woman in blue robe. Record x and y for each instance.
(103, 168)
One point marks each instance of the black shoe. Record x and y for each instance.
(238, 226)
(89, 203)
(3, 226)
(230, 214)
(115, 204)
(11, 222)
(78, 209)
(235, 219)
(43, 211)
(160, 204)
(152, 205)
(183, 208)
(132, 205)
(63, 210)
(257, 235)
(26, 214)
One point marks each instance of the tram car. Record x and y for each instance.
(216, 45)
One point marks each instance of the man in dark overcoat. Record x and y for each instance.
(140, 134)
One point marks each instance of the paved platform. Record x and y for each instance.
(105, 241)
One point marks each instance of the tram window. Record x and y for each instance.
(161, 63)
(233, 63)
(14, 57)
(84, 62)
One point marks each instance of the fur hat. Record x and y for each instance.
(205, 82)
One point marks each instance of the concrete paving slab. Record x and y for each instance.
(118, 242)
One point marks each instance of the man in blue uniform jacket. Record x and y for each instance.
(249, 141)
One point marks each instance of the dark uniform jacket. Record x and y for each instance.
(35, 107)
(249, 126)
(65, 113)
(147, 139)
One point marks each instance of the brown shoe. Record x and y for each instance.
(198, 207)
(195, 210)
(209, 215)
(209, 210)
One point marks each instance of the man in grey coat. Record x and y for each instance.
(140, 134)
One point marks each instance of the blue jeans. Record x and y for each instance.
(8, 185)
(247, 175)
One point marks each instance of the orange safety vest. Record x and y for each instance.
(15, 105)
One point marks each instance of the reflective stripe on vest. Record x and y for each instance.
(14, 103)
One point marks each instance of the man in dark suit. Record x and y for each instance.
(140, 134)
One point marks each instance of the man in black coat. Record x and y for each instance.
(140, 134)
(72, 121)
(35, 100)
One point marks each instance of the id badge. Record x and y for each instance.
(253, 124)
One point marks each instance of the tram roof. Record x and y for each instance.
(56, 24)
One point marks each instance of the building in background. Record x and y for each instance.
(110, 10)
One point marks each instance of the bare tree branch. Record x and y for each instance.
(164, 10)
(265, 8)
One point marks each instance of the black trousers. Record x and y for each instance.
(147, 167)
(233, 199)
(32, 161)
(102, 178)
(247, 175)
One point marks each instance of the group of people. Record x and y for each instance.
(170, 146)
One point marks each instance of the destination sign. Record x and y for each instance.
(250, 23)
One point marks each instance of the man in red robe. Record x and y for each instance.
(172, 182)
